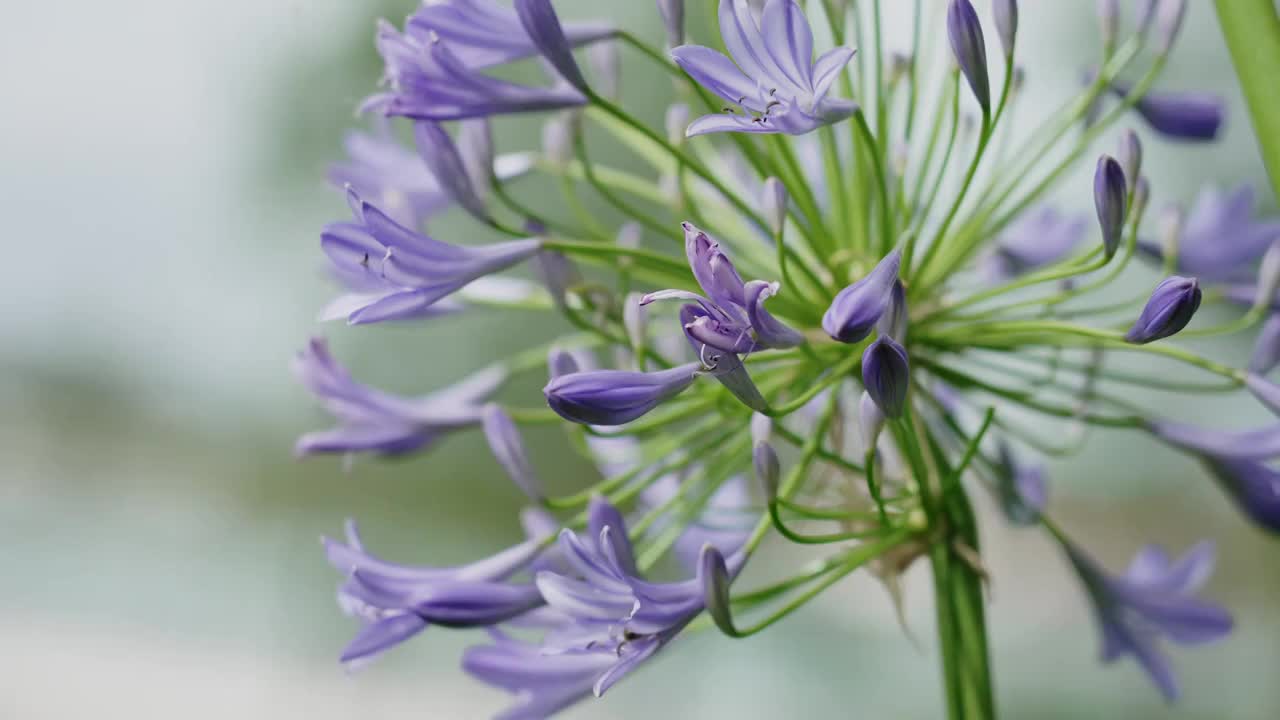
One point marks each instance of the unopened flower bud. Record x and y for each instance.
(475, 146)
(504, 440)
(635, 318)
(761, 428)
(1172, 305)
(857, 308)
(714, 576)
(893, 322)
(768, 469)
(1268, 276)
(561, 362)
(1129, 155)
(615, 397)
(886, 374)
(672, 12)
(1169, 16)
(558, 273)
(774, 205)
(1141, 196)
(970, 49)
(1006, 15)
(441, 156)
(1170, 230)
(1110, 198)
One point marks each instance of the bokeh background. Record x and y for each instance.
(163, 186)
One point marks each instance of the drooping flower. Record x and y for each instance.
(1154, 599)
(1038, 238)
(484, 33)
(856, 309)
(1220, 239)
(772, 75)
(885, 374)
(397, 602)
(413, 271)
(1190, 115)
(970, 49)
(1171, 306)
(615, 397)
(371, 420)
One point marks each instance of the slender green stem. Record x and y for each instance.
(1252, 32)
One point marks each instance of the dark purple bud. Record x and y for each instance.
(770, 332)
(543, 26)
(714, 576)
(445, 163)
(672, 12)
(768, 469)
(894, 320)
(1252, 485)
(857, 308)
(1266, 350)
(1192, 116)
(1129, 155)
(886, 375)
(1172, 305)
(1006, 15)
(1110, 198)
(970, 48)
(504, 440)
(615, 397)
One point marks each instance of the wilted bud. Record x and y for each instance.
(893, 322)
(1108, 22)
(1129, 155)
(672, 12)
(1268, 276)
(504, 440)
(761, 428)
(970, 49)
(774, 204)
(886, 374)
(602, 57)
(1169, 17)
(1172, 305)
(475, 146)
(557, 139)
(1006, 14)
(870, 421)
(676, 122)
(857, 308)
(615, 397)
(1266, 350)
(441, 157)
(768, 470)
(558, 273)
(1110, 198)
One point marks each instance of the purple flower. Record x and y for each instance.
(371, 420)
(1259, 444)
(886, 374)
(446, 164)
(1220, 240)
(970, 49)
(1192, 116)
(1022, 488)
(1153, 599)
(770, 332)
(1253, 486)
(1266, 349)
(857, 308)
(427, 80)
(1171, 306)
(615, 397)
(484, 33)
(504, 440)
(1038, 238)
(411, 272)
(1111, 200)
(543, 683)
(772, 75)
(397, 602)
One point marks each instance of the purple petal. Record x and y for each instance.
(381, 635)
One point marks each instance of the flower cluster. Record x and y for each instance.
(875, 291)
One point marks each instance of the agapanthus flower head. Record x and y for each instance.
(1171, 306)
(1153, 600)
(772, 76)
(856, 309)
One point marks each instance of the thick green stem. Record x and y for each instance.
(1252, 31)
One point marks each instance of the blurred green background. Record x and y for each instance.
(163, 186)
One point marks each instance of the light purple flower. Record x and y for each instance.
(1153, 599)
(371, 420)
(411, 271)
(1038, 238)
(1191, 116)
(772, 75)
(858, 307)
(615, 397)
(1172, 305)
(442, 158)
(484, 33)
(544, 684)
(1220, 238)
(397, 602)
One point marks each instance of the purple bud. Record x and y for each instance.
(886, 374)
(857, 308)
(970, 48)
(714, 576)
(1141, 196)
(1172, 304)
(558, 273)
(442, 159)
(1169, 17)
(1110, 198)
(543, 26)
(603, 59)
(768, 469)
(1129, 155)
(770, 332)
(1266, 350)
(615, 397)
(761, 428)
(1006, 14)
(1108, 21)
(870, 421)
(504, 440)
(561, 362)
(475, 146)
(672, 12)
(1252, 485)
(773, 203)
(1191, 116)
(894, 320)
